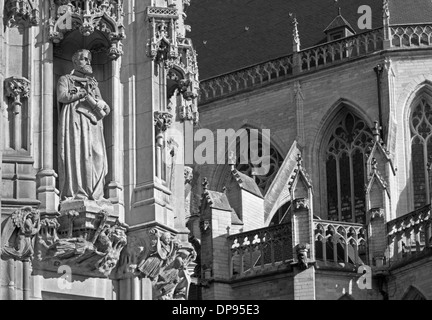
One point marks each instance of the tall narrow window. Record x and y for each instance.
(421, 149)
(345, 168)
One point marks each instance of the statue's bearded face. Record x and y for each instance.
(83, 63)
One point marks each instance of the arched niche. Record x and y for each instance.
(104, 72)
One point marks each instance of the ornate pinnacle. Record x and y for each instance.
(376, 131)
(296, 37)
(374, 165)
(299, 160)
(205, 184)
(231, 160)
(386, 10)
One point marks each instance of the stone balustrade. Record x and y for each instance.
(342, 50)
(310, 59)
(260, 251)
(246, 78)
(340, 242)
(406, 36)
(410, 234)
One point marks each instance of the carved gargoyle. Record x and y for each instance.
(302, 255)
(96, 252)
(18, 234)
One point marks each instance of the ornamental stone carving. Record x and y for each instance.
(157, 256)
(302, 255)
(376, 213)
(162, 120)
(89, 246)
(301, 204)
(162, 45)
(88, 16)
(17, 88)
(188, 175)
(18, 233)
(184, 94)
(21, 13)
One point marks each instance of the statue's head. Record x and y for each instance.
(166, 237)
(82, 61)
(178, 263)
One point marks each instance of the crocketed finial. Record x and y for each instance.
(205, 184)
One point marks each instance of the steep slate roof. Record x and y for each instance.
(246, 183)
(224, 45)
(339, 21)
(217, 200)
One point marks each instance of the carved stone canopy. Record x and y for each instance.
(88, 16)
(21, 13)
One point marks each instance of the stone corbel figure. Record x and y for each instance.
(159, 255)
(18, 234)
(83, 162)
(302, 255)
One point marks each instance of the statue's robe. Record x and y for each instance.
(82, 154)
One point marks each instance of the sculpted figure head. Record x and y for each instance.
(166, 238)
(82, 61)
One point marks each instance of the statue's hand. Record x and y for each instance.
(82, 93)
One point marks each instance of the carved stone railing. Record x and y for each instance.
(410, 234)
(310, 59)
(339, 242)
(246, 78)
(404, 36)
(342, 50)
(260, 251)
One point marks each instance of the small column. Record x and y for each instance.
(26, 280)
(136, 289)
(12, 280)
(47, 192)
(146, 289)
(115, 187)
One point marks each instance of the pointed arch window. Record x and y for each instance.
(346, 169)
(421, 150)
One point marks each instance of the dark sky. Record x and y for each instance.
(233, 34)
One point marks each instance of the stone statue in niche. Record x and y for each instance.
(83, 161)
(18, 234)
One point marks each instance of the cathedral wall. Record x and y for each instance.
(276, 287)
(415, 275)
(332, 285)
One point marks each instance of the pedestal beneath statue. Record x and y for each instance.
(86, 238)
(81, 217)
